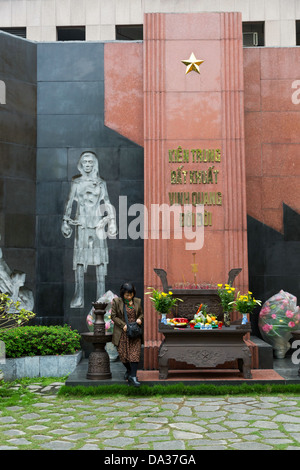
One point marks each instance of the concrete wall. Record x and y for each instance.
(18, 155)
(100, 16)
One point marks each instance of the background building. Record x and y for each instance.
(276, 22)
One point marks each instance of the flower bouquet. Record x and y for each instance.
(226, 295)
(277, 319)
(245, 304)
(163, 302)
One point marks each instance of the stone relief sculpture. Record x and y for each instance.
(94, 220)
(12, 284)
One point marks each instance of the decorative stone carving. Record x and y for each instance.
(94, 221)
(12, 284)
(192, 298)
(204, 348)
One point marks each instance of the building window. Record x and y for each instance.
(132, 32)
(70, 33)
(21, 32)
(297, 32)
(253, 33)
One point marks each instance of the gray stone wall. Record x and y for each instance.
(70, 119)
(54, 111)
(18, 155)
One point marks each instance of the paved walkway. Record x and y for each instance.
(154, 423)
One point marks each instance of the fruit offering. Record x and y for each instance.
(204, 319)
(178, 322)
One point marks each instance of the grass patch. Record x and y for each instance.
(10, 393)
(179, 390)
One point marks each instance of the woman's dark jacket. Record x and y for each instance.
(117, 316)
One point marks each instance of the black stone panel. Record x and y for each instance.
(2, 186)
(70, 61)
(70, 97)
(291, 221)
(50, 297)
(19, 230)
(17, 128)
(51, 197)
(50, 266)
(17, 161)
(132, 164)
(70, 121)
(69, 130)
(21, 96)
(49, 231)
(18, 59)
(18, 66)
(52, 164)
(20, 196)
(273, 259)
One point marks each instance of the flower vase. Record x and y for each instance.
(226, 319)
(244, 319)
(163, 318)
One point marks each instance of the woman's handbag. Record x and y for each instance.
(133, 329)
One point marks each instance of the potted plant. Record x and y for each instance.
(245, 304)
(226, 295)
(163, 302)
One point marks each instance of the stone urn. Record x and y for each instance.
(99, 363)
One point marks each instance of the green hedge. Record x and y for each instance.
(40, 341)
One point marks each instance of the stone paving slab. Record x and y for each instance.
(156, 423)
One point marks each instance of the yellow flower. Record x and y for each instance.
(170, 293)
(249, 292)
(220, 285)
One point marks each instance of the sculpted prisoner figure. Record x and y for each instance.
(93, 213)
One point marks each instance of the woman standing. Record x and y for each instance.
(129, 349)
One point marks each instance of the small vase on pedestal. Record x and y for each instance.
(245, 319)
(226, 319)
(163, 318)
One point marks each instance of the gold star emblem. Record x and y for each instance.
(192, 64)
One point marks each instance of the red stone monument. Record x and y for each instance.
(191, 124)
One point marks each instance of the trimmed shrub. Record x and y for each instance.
(40, 341)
